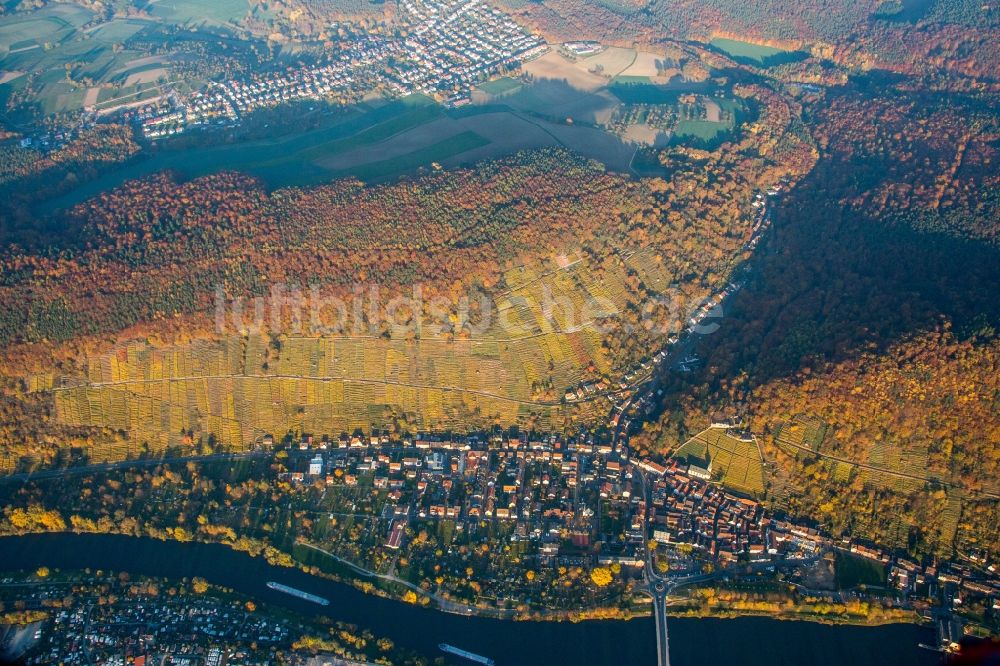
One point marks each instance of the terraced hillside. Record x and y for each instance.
(571, 277)
(732, 458)
(242, 387)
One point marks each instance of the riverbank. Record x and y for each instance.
(748, 641)
(315, 561)
(907, 618)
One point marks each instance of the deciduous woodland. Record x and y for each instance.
(949, 43)
(156, 247)
(145, 262)
(865, 348)
(862, 349)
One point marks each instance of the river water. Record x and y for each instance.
(743, 641)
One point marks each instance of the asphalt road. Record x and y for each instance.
(24, 477)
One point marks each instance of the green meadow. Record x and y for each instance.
(501, 86)
(639, 90)
(67, 59)
(441, 150)
(755, 54)
(198, 11)
(295, 159)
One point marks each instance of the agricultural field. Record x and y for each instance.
(117, 30)
(809, 432)
(510, 131)
(501, 86)
(557, 67)
(646, 135)
(68, 62)
(409, 134)
(610, 62)
(292, 159)
(563, 105)
(559, 100)
(51, 25)
(735, 462)
(632, 79)
(649, 265)
(653, 67)
(43, 43)
(907, 473)
(979, 523)
(655, 115)
(706, 130)
(754, 54)
(412, 129)
(502, 131)
(613, 91)
(637, 91)
(439, 151)
(68, 51)
(893, 528)
(907, 460)
(241, 387)
(313, 385)
(196, 12)
(586, 90)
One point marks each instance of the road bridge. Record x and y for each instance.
(659, 589)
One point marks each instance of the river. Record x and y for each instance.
(745, 641)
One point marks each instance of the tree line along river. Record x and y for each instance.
(747, 641)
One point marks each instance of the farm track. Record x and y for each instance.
(131, 382)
